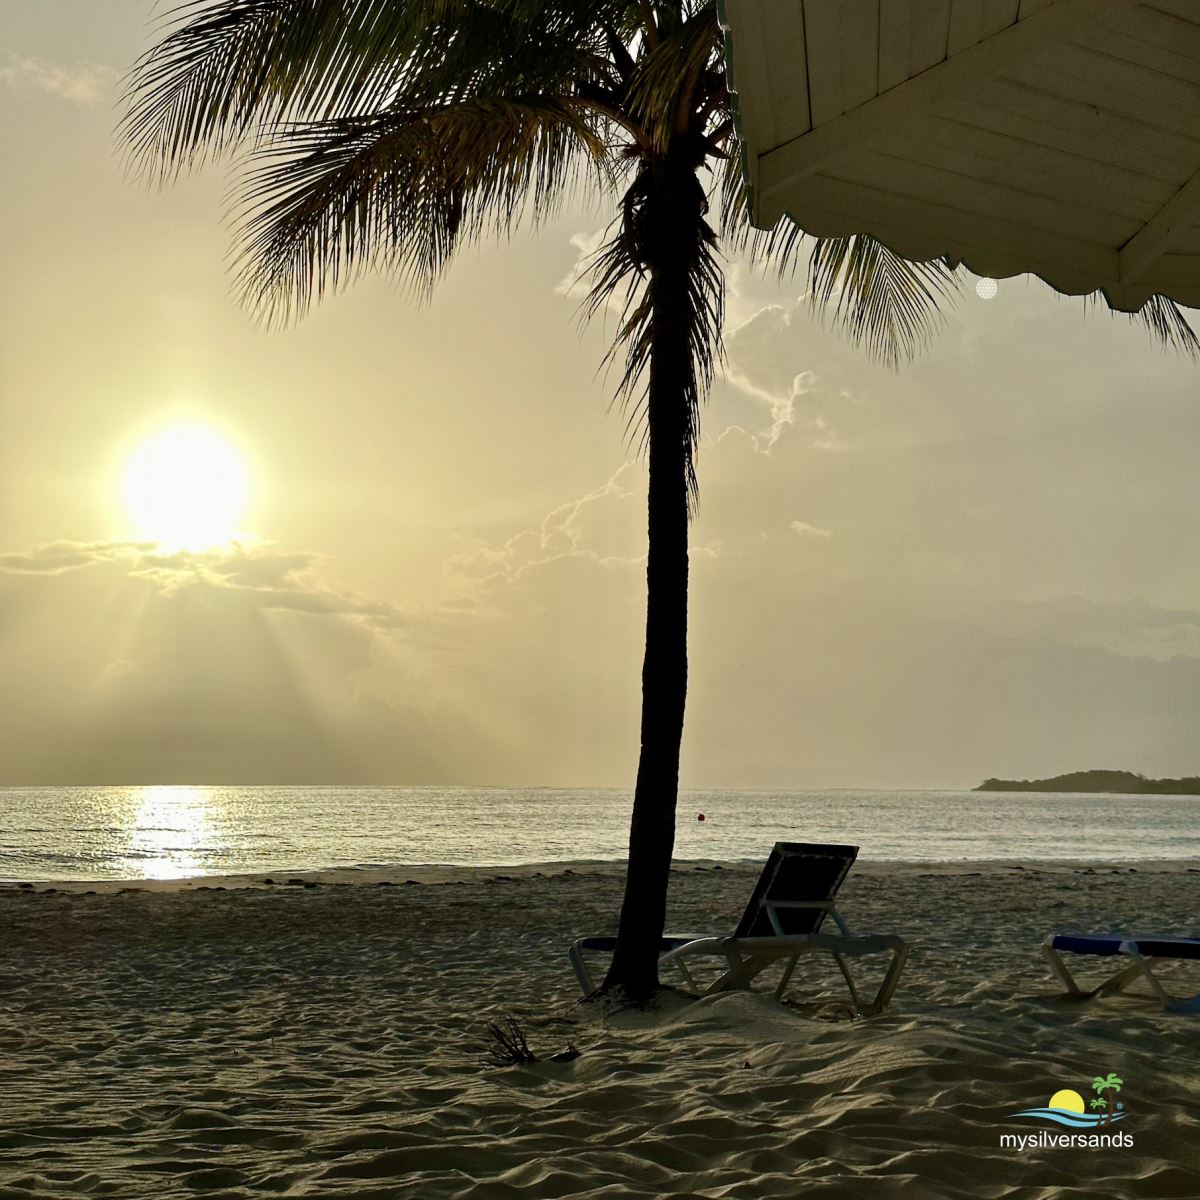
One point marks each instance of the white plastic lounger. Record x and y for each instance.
(1136, 951)
(782, 922)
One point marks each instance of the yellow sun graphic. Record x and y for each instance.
(1070, 1101)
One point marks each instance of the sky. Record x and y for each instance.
(983, 564)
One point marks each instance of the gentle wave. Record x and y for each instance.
(113, 833)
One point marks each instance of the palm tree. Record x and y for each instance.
(387, 133)
(1106, 1088)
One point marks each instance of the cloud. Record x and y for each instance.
(1132, 628)
(597, 526)
(86, 83)
(577, 283)
(259, 575)
(805, 530)
(759, 365)
(574, 282)
(56, 558)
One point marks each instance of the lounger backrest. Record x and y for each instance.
(796, 871)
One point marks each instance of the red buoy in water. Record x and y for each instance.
(699, 816)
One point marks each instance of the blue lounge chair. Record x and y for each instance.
(782, 922)
(1135, 953)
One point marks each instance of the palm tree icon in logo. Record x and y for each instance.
(1106, 1088)
(1067, 1107)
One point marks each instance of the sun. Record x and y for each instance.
(1066, 1100)
(185, 488)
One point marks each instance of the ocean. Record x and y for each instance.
(176, 832)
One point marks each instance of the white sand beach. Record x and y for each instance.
(325, 1041)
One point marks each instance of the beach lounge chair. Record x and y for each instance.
(782, 922)
(1135, 953)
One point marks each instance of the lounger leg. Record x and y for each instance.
(1122, 979)
(736, 977)
(687, 975)
(841, 962)
(787, 976)
(1061, 973)
(884, 996)
(740, 974)
(582, 973)
(1142, 967)
(1114, 983)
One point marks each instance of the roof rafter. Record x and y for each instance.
(1152, 241)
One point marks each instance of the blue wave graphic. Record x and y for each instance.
(1064, 1116)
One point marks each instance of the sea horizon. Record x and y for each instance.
(181, 831)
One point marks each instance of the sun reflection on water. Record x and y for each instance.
(173, 831)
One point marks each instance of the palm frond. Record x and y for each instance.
(227, 68)
(227, 65)
(1162, 318)
(662, 91)
(733, 197)
(1165, 321)
(884, 302)
(401, 190)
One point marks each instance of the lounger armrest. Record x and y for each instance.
(779, 944)
(859, 943)
(607, 943)
(709, 944)
(869, 943)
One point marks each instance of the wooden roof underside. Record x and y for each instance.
(1057, 137)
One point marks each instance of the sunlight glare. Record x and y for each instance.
(186, 489)
(172, 831)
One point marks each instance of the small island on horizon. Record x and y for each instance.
(1113, 782)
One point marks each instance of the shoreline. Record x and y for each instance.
(440, 874)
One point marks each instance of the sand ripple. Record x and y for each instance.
(325, 1042)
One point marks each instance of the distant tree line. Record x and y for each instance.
(1123, 782)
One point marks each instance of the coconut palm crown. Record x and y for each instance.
(388, 133)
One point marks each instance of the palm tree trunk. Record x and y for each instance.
(668, 229)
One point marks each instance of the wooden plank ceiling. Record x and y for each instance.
(1057, 137)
